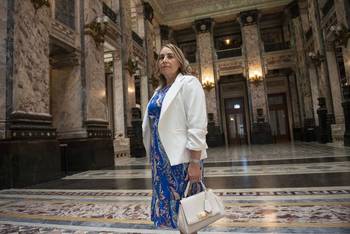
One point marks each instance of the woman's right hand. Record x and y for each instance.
(194, 172)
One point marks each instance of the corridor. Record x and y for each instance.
(284, 188)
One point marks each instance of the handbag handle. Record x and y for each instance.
(188, 187)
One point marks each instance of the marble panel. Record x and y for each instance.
(335, 87)
(31, 58)
(314, 91)
(230, 66)
(118, 99)
(95, 81)
(66, 102)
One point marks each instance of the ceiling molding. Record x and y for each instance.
(187, 12)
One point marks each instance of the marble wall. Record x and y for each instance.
(3, 51)
(31, 59)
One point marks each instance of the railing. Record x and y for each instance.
(276, 46)
(327, 7)
(235, 52)
(137, 38)
(109, 13)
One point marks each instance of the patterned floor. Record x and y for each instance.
(294, 210)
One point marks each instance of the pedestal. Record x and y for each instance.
(324, 127)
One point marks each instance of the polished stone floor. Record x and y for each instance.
(284, 188)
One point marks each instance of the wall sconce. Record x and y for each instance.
(316, 58)
(208, 85)
(39, 3)
(256, 80)
(341, 34)
(97, 29)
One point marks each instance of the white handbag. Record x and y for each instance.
(199, 210)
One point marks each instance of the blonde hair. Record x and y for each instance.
(184, 68)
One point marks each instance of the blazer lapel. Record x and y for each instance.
(171, 94)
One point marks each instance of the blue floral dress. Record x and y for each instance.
(168, 181)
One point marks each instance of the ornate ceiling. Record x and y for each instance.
(180, 12)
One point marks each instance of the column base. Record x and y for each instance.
(121, 147)
(28, 162)
(338, 131)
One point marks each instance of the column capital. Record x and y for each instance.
(249, 17)
(203, 25)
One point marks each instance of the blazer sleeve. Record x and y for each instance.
(196, 114)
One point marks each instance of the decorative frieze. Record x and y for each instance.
(63, 33)
(230, 66)
(278, 60)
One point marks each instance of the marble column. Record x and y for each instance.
(30, 154)
(342, 9)
(29, 93)
(127, 51)
(295, 101)
(205, 53)
(261, 132)
(96, 101)
(146, 79)
(338, 128)
(3, 52)
(298, 20)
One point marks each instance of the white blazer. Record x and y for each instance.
(183, 121)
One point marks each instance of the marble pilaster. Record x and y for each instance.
(314, 78)
(342, 9)
(319, 47)
(121, 142)
(257, 91)
(205, 53)
(129, 81)
(3, 51)
(302, 75)
(96, 102)
(293, 90)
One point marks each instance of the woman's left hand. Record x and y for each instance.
(194, 173)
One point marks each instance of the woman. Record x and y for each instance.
(174, 130)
